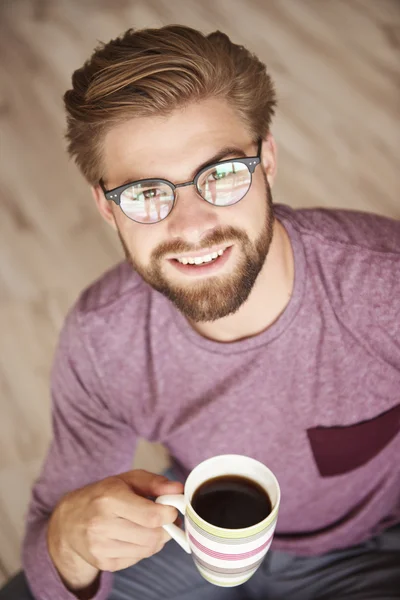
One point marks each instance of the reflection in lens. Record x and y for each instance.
(147, 202)
(225, 184)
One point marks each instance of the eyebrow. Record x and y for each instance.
(220, 155)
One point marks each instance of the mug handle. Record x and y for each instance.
(177, 501)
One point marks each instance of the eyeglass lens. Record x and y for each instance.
(147, 202)
(152, 201)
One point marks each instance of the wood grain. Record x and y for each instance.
(336, 66)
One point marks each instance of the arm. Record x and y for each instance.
(88, 445)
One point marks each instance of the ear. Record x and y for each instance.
(269, 158)
(104, 206)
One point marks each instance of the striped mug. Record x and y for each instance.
(225, 557)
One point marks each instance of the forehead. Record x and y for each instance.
(170, 147)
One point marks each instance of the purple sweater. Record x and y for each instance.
(316, 397)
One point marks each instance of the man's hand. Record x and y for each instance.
(108, 526)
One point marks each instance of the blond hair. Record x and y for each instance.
(154, 71)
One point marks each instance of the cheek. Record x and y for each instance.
(252, 211)
(128, 235)
(141, 240)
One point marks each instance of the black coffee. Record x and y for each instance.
(231, 502)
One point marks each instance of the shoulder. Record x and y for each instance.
(110, 289)
(108, 308)
(355, 229)
(353, 258)
(355, 250)
(105, 324)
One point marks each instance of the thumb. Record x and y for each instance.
(145, 483)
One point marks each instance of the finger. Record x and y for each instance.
(125, 531)
(178, 521)
(142, 511)
(145, 483)
(117, 564)
(116, 549)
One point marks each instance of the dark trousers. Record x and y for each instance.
(370, 571)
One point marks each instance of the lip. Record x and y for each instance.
(206, 268)
(201, 253)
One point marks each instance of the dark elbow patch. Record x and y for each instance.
(340, 449)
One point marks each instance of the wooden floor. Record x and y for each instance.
(336, 65)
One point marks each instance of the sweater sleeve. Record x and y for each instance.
(88, 444)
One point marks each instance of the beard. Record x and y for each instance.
(219, 295)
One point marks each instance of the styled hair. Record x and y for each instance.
(154, 71)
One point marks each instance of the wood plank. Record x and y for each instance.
(336, 66)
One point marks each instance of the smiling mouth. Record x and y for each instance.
(208, 263)
(201, 260)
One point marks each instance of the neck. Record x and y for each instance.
(268, 299)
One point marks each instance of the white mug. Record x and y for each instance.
(225, 557)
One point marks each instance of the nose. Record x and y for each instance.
(192, 218)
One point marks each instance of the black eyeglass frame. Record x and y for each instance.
(251, 163)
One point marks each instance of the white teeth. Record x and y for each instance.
(199, 260)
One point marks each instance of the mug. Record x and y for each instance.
(225, 557)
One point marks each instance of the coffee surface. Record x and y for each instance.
(232, 502)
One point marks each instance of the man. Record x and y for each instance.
(234, 326)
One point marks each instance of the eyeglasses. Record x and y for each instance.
(151, 200)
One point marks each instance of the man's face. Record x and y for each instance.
(174, 148)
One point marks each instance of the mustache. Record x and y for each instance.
(215, 238)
